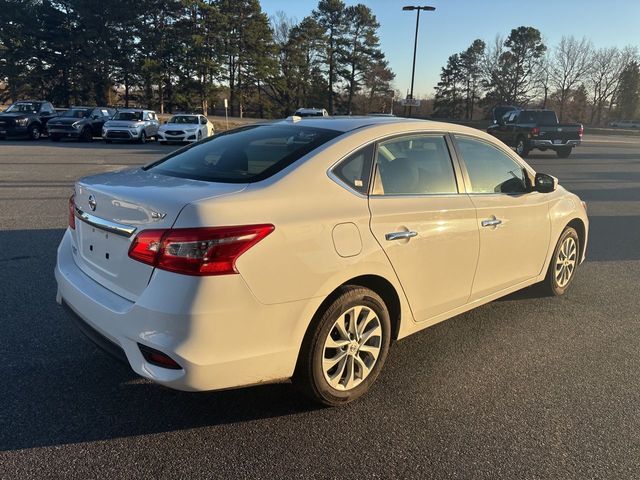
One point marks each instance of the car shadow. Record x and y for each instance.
(58, 388)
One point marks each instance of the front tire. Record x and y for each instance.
(563, 152)
(54, 138)
(86, 135)
(143, 138)
(345, 348)
(564, 263)
(34, 132)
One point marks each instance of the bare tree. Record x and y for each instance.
(603, 79)
(627, 55)
(570, 66)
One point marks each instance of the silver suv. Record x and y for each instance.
(131, 124)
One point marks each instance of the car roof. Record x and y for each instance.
(348, 123)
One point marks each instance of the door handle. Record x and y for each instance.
(400, 235)
(491, 222)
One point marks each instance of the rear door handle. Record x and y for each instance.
(491, 222)
(400, 235)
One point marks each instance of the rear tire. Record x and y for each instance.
(563, 152)
(563, 265)
(522, 147)
(345, 348)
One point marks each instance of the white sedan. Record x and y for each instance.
(300, 249)
(185, 128)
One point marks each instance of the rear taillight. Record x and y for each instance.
(535, 131)
(156, 357)
(580, 131)
(72, 212)
(197, 251)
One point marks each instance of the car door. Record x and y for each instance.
(97, 120)
(204, 133)
(427, 229)
(513, 221)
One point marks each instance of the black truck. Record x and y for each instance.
(528, 129)
(26, 118)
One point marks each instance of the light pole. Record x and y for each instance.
(415, 44)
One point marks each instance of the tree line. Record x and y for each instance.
(581, 82)
(190, 54)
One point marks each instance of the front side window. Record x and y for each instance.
(490, 170)
(414, 165)
(244, 155)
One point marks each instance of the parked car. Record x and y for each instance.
(81, 123)
(625, 124)
(26, 118)
(131, 124)
(311, 112)
(185, 128)
(301, 248)
(529, 129)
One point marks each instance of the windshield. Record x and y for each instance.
(244, 155)
(77, 113)
(184, 119)
(312, 113)
(128, 116)
(24, 107)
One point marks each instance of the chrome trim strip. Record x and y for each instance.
(107, 225)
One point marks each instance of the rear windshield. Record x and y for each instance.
(547, 117)
(244, 155)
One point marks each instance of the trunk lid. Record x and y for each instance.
(113, 207)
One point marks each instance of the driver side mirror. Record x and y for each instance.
(545, 183)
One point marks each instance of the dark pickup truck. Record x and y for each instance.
(26, 118)
(528, 129)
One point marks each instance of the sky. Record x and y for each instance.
(454, 25)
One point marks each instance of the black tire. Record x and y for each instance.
(34, 132)
(107, 141)
(522, 147)
(54, 138)
(550, 285)
(162, 142)
(86, 135)
(143, 138)
(563, 152)
(309, 375)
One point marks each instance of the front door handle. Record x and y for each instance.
(491, 222)
(400, 235)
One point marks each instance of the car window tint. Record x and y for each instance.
(415, 165)
(243, 155)
(490, 170)
(355, 170)
(203, 121)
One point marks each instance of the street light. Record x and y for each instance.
(415, 43)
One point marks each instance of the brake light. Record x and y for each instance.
(72, 212)
(535, 131)
(580, 131)
(197, 251)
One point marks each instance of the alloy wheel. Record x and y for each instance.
(566, 261)
(352, 348)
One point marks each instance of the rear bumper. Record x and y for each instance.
(213, 327)
(549, 143)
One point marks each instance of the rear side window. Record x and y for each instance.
(415, 165)
(355, 170)
(244, 155)
(490, 170)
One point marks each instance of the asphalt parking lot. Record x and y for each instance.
(522, 388)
